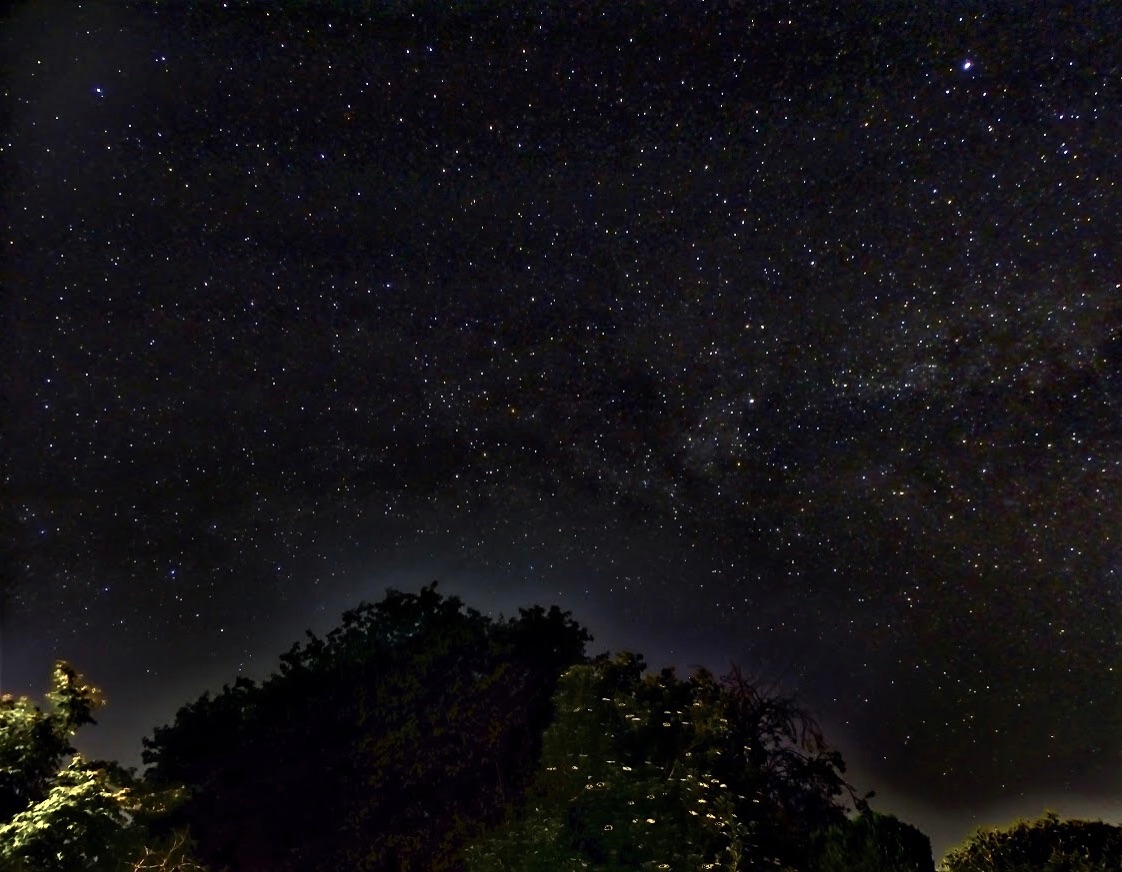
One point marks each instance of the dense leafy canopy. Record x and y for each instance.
(385, 745)
(60, 813)
(1045, 845)
(640, 770)
(871, 842)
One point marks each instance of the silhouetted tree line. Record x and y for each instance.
(405, 732)
(423, 735)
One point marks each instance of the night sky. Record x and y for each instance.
(782, 333)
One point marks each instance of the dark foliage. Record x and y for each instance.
(871, 842)
(651, 771)
(386, 745)
(1045, 845)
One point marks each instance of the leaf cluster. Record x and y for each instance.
(59, 812)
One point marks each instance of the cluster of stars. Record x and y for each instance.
(771, 328)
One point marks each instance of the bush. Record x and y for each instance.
(1045, 845)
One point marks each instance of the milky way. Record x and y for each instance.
(779, 333)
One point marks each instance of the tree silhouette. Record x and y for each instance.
(1045, 845)
(644, 770)
(386, 745)
(872, 842)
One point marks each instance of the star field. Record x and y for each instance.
(782, 333)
